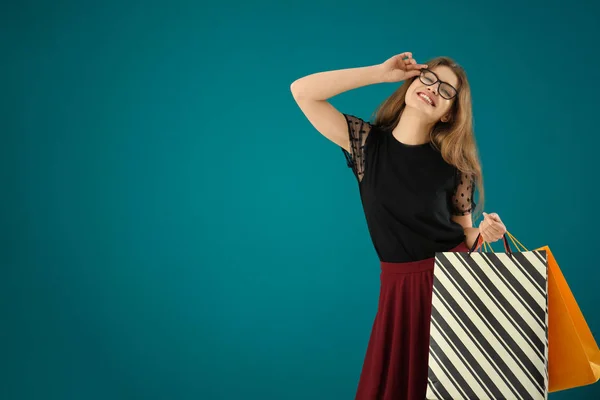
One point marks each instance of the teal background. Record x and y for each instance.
(173, 226)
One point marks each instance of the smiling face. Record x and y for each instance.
(427, 98)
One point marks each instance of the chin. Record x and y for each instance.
(417, 104)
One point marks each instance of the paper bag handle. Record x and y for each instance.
(506, 245)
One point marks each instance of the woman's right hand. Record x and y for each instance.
(400, 67)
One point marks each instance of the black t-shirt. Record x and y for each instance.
(408, 193)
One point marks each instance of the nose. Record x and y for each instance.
(434, 88)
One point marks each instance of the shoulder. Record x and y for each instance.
(377, 134)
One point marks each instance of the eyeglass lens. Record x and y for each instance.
(445, 90)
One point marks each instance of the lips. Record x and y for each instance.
(426, 97)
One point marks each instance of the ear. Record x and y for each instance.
(446, 118)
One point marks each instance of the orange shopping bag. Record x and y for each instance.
(573, 355)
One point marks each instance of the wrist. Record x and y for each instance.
(377, 73)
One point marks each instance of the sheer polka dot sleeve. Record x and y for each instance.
(463, 202)
(358, 131)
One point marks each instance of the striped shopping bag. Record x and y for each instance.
(489, 325)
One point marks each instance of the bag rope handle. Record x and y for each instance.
(487, 247)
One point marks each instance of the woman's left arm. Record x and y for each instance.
(466, 222)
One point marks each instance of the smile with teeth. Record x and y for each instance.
(426, 98)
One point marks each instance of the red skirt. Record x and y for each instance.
(396, 361)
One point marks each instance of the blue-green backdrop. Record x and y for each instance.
(174, 228)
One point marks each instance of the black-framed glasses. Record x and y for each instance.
(446, 90)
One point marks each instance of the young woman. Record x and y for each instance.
(417, 168)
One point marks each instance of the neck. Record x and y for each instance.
(412, 128)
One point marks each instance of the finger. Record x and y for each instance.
(498, 225)
(485, 237)
(482, 227)
(411, 73)
(490, 237)
(405, 54)
(485, 233)
(491, 219)
(416, 66)
(491, 229)
(494, 216)
(495, 230)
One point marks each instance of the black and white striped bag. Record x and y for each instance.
(489, 326)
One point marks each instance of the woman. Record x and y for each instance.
(417, 168)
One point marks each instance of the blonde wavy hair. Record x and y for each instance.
(454, 139)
